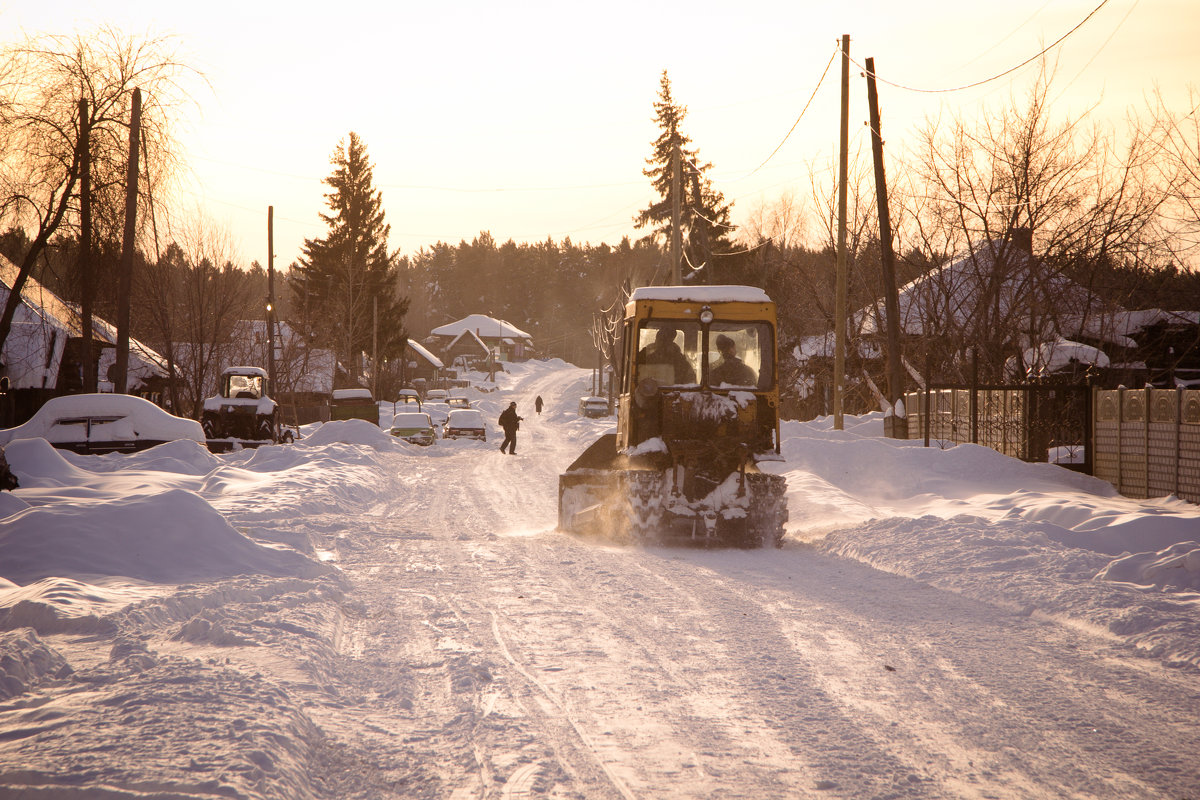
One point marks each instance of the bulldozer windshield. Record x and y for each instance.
(739, 355)
(733, 355)
(669, 352)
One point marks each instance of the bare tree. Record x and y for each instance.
(988, 180)
(197, 296)
(42, 81)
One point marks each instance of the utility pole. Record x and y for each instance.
(839, 313)
(86, 358)
(891, 298)
(702, 229)
(375, 346)
(676, 234)
(128, 248)
(271, 301)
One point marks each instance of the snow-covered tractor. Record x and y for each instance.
(242, 414)
(698, 411)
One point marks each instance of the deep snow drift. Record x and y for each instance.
(88, 543)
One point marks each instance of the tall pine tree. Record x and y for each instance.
(704, 214)
(344, 286)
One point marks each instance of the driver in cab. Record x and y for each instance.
(664, 351)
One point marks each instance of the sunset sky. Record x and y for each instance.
(533, 120)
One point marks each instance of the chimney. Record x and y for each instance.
(1022, 239)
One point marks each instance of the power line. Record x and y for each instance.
(997, 76)
(797, 122)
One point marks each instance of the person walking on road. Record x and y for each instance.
(537, 404)
(510, 422)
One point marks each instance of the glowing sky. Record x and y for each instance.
(534, 119)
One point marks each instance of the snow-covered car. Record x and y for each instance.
(438, 412)
(353, 404)
(436, 396)
(413, 426)
(593, 407)
(458, 402)
(103, 423)
(465, 423)
(408, 397)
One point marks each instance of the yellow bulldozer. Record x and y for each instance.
(698, 411)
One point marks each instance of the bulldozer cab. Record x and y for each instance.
(713, 340)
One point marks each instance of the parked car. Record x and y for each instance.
(593, 407)
(353, 404)
(414, 426)
(103, 423)
(465, 423)
(408, 397)
(458, 402)
(436, 396)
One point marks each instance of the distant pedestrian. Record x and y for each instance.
(537, 404)
(510, 422)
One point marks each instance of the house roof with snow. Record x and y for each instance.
(31, 353)
(421, 351)
(484, 326)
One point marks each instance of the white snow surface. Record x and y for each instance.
(353, 616)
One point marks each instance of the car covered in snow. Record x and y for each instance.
(465, 423)
(438, 412)
(593, 407)
(436, 395)
(408, 397)
(103, 423)
(413, 426)
(353, 404)
(458, 401)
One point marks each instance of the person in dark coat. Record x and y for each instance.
(537, 404)
(732, 370)
(510, 422)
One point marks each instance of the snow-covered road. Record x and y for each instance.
(465, 649)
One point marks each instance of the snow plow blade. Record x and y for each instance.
(633, 500)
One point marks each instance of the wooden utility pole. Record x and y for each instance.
(891, 298)
(676, 234)
(375, 346)
(128, 246)
(702, 229)
(839, 313)
(274, 390)
(86, 357)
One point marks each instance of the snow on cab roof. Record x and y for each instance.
(702, 294)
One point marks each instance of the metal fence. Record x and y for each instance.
(1034, 422)
(1147, 441)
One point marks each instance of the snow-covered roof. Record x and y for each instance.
(424, 353)
(483, 325)
(702, 294)
(30, 353)
(470, 334)
(1049, 357)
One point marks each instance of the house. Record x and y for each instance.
(42, 356)
(1027, 321)
(421, 365)
(475, 336)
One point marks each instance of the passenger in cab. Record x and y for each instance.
(731, 370)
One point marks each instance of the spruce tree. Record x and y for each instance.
(704, 214)
(344, 285)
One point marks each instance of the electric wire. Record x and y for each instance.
(995, 77)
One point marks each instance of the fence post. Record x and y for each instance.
(974, 398)
(1089, 429)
